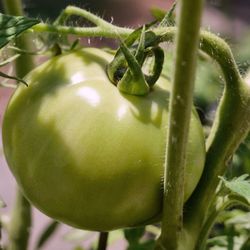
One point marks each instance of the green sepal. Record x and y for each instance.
(125, 70)
(133, 81)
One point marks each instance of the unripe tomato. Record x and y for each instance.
(88, 155)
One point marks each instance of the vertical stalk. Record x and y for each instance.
(103, 241)
(20, 224)
(21, 216)
(181, 101)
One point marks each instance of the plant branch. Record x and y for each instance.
(85, 32)
(72, 10)
(19, 228)
(21, 216)
(181, 102)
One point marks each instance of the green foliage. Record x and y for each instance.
(137, 240)
(240, 187)
(232, 231)
(12, 26)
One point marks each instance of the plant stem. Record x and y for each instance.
(72, 10)
(181, 102)
(103, 241)
(13, 7)
(113, 32)
(20, 223)
(24, 63)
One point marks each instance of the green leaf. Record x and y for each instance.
(241, 221)
(168, 19)
(47, 233)
(12, 26)
(239, 186)
(133, 235)
(158, 13)
(217, 241)
(246, 244)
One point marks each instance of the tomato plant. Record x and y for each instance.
(105, 140)
(88, 155)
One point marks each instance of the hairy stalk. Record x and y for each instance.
(72, 10)
(113, 32)
(181, 101)
(21, 215)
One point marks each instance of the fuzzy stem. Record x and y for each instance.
(113, 32)
(72, 10)
(181, 102)
(21, 215)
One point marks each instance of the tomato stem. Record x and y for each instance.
(181, 101)
(103, 241)
(19, 228)
(21, 215)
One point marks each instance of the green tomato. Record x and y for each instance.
(88, 155)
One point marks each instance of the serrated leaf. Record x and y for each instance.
(168, 18)
(12, 26)
(239, 186)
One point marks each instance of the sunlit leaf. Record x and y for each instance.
(239, 186)
(12, 26)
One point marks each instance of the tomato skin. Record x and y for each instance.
(86, 154)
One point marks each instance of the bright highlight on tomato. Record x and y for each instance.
(86, 154)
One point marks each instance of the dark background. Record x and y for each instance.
(132, 12)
